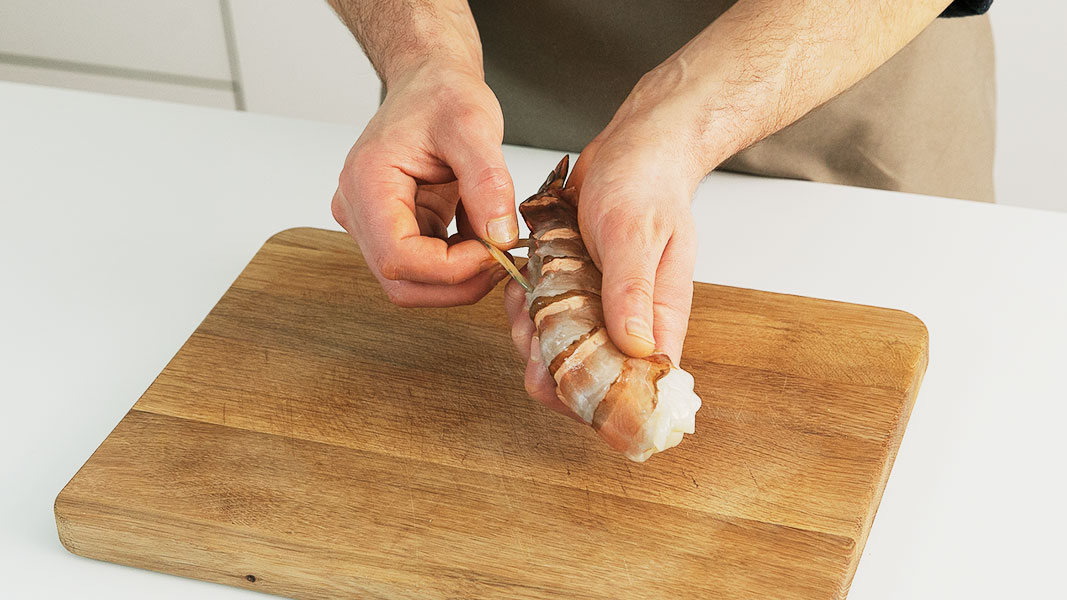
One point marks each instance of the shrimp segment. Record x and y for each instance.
(639, 406)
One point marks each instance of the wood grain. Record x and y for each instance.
(312, 440)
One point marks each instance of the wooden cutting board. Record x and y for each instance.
(312, 440)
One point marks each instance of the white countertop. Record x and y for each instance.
(122, 222)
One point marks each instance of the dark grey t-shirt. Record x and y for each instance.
(967, 8)
(923, 122)
(561, 68)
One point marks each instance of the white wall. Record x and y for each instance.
(1031, 49)
(297, 59)
(294, 58)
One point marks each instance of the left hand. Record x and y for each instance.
(635, 183)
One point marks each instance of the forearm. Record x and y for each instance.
(765, 63)
(400, 36)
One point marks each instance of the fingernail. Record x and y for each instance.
(502, 230)
(640, 329)
(499, 276)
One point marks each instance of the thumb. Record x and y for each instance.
(629, 268)
(486, 191)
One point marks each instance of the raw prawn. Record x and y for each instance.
(639, 406)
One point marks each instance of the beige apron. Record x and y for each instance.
(923, 122)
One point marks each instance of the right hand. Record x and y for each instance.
(435, 139)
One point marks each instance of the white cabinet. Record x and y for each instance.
(172, 37)
(1031, 52)
(162, 49)
(298, 60)
(122, 86)
(286, 57)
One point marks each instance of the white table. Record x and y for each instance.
(122, 221)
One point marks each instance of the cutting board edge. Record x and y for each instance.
(65, 492)
(892, 449)
(127, 556)
(134, 528)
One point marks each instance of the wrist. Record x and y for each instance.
(444, 85)
(438, 39)
(425, 69)
(416, 66)
(682, 112)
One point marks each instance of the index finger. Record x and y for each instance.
(673, 299)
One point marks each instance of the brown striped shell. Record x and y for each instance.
(614, 393)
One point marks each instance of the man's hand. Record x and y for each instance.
(635, 182)
(435, 139)
(756, 69)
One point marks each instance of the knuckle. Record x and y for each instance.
(532, 387)
(629, 222)
(349, 186)
(339, 210)
(469, 117)
(514, 295)
(388, 267)
(472, 119)
(468, 299)
(493, 181)
(465, 120)
(672, 313)
(393, 293)
(396, 295)
(520, 336)
(635, 289)
(360, 159)
(452, 275)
